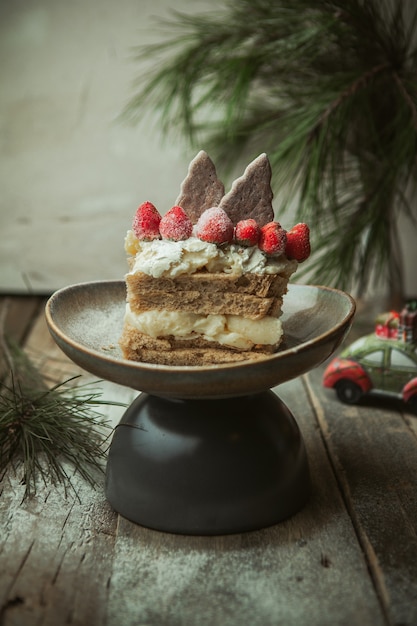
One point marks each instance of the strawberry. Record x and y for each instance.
(272, 239)
(247, 232)
(146, 222)
(215, 226)
(176, 225)
(298, 243)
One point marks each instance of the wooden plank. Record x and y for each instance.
(309, 569)
(16, 317)
(56, 548)
(20, 312)
(71, 559)
(55, 556)
(374, 454)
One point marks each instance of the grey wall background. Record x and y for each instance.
(71, 175)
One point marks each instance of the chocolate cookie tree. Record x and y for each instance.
(328, 88)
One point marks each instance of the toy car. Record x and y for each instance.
(384, 361)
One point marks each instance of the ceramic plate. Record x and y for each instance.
(86, 321)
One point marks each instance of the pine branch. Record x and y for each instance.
(43, 431)
(411, 104)
(348, 92)
(327, 88)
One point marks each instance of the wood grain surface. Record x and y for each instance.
(349, 557)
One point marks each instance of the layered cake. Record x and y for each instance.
(206, 280)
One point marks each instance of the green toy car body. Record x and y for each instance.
(374, 364)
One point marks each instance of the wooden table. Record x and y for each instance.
(349, 557)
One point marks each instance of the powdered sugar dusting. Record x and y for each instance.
(176, 225)
(215, 226)
(273, 239)
(146, 222)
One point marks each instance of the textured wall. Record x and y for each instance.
(71, 175)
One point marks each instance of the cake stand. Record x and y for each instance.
(203, 450)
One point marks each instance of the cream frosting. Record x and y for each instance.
(162, 257)
(229, 330)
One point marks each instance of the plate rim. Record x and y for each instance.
(154, 367)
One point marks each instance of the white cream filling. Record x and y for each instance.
(230, 330)
(162, 257)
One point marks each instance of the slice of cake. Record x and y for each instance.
(206, 281)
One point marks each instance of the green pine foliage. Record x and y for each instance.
(48, 432)
(328, 88)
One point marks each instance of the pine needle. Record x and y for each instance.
(43, 431)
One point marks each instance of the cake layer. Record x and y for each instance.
(230, 330)
(208, 293)
(201, 303)
(137, 346)
(261, 285)
(161, 258)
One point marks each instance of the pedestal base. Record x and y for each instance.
(207, 467)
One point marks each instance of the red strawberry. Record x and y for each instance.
(176, 225)
(146, 222)
(272, 239)
(247, 232)
(215, 226)
(298, 243)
